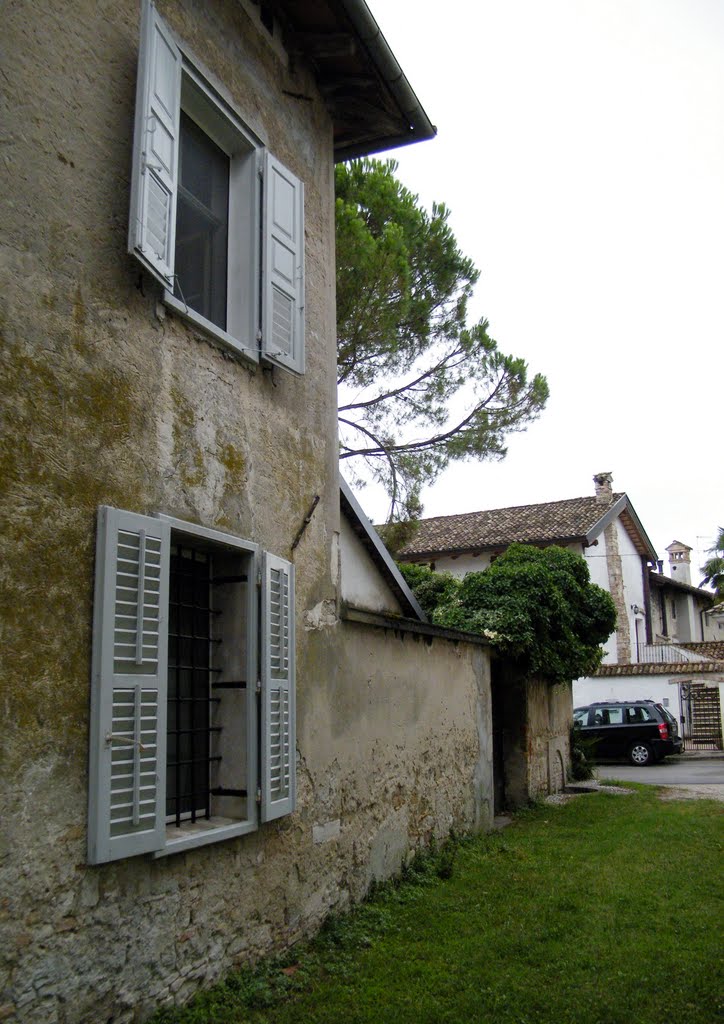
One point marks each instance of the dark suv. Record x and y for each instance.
(640, 730)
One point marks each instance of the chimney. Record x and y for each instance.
(604, 488)
(680, 561)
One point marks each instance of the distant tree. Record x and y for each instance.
(713, 568)
(419, 388)
(538, 606)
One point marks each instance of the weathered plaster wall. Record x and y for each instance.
(397, 738)
(549, 724)
(393, 749)
(361, 583)
(104, 403)
(532, 721)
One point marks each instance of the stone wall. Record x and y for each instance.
(106, 403)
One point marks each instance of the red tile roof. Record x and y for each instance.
(709, 648)
(571, 519)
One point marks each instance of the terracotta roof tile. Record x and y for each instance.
(498, 527)
(679, 668)
(709, 648)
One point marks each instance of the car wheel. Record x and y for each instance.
(641, 754)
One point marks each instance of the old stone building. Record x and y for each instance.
(224, 714)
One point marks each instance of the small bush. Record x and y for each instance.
(582, 756)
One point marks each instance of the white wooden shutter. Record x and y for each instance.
(278, 732)
(283, 284)
(127, 763)
(154, 174)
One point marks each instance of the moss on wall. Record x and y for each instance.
(69, 442)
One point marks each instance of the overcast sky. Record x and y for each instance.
(581, 149)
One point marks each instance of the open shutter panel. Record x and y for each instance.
(152, 228)
(127, 766)
(283, 289)
(278, 738)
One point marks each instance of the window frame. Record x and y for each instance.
(127, 787)
(186, 837)
(170, 77)
(201, 100)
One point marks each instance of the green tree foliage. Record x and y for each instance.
(538, 606)
(419, 387)
(713, 568)
(432, 589)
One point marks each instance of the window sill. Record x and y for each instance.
(209, 329)
(202, 833)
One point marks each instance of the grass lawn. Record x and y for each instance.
(605, 910)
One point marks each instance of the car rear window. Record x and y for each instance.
(666, 713)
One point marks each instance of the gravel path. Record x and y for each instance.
(681, 792)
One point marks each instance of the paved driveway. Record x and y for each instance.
(695, 777)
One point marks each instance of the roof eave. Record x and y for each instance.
(659, 580)
(394, 78)
(613, 512)
(470, 549)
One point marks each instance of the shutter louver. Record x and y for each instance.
(278, 739)
(128, 687)
(283, 305)
(152, 227)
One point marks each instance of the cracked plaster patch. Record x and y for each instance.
(322, 616)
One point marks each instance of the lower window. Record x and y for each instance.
(193, 663)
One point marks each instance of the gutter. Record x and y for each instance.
(384, 60)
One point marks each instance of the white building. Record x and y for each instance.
(668, 644)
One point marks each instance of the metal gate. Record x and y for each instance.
(700, 716)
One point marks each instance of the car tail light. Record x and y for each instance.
(663, 730)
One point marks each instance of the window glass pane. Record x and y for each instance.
(189, 670)
(202, 220)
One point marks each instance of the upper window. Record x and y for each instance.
(192, 697)
(202, 223)
(214, 216)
